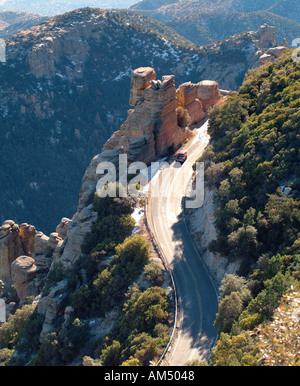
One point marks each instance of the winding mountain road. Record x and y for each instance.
(196, 293)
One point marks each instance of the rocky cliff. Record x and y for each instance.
(151, 127)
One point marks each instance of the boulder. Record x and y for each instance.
(208, 93)
(62, 227)
(23, 272)
(266, 59)
(277, 51)
(54, 241)
(40, 244)
(27, 234)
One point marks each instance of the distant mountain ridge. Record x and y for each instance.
(57, 7)
(207, 28)
(206, 21)
(13, 22)
(287, 8)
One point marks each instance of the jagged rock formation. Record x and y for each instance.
(265, 35)
(151, 127)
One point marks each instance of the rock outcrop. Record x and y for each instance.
(209, 93)
(198, 98)
(27, 234)
(14, 242)
(151, 127)
(26, 256)
(79, 227)
(266, 35)
(272, 54)
(187, 97)
(23, 273)
(141, 79)
(51, 306)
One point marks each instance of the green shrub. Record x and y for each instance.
(183, 117)
(153, 273)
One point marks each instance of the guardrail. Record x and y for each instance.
(165, 262)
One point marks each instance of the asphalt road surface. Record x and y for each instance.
(196, 293)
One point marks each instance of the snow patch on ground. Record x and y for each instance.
(202, 135)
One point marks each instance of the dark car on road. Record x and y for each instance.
(181, 157)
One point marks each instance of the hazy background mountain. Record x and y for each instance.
(168, 9)
(56, 7)
(206, 21)
(208, 28)
(13, 22)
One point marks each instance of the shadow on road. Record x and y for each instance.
(196, 293)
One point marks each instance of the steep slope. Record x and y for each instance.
(64, 91)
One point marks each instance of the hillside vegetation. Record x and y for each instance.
(253, 165)
(120, 313)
